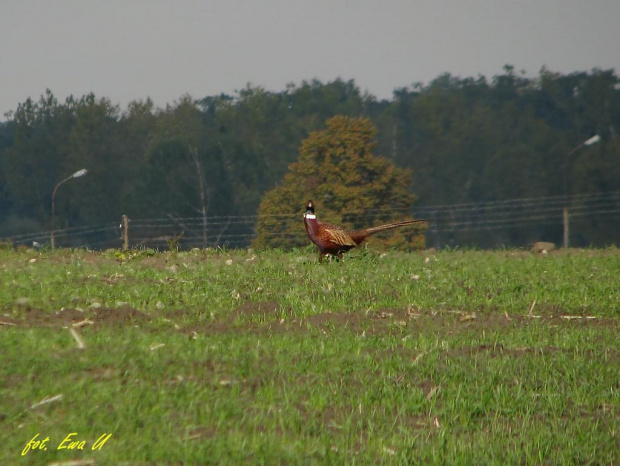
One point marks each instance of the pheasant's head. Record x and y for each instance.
(309, 210)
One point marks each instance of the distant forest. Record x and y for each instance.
(467, 140)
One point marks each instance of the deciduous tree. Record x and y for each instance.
(351, 187)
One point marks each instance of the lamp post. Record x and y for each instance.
(588, 142)
(77, 174)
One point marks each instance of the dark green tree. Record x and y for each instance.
(35, 161)
(185, 173)
(6, 141)
(94, 143)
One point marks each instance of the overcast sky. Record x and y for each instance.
(127, 50)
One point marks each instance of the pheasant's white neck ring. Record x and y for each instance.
(310, 216)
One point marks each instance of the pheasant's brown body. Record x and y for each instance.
(333, 240)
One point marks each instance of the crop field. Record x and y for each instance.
(267, 357)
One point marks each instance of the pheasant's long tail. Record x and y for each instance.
(391, 226)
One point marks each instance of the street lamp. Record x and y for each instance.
(588, 142)
(77, 174)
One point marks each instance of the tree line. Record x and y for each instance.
(465, 140)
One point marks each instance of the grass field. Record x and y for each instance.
(241, 357)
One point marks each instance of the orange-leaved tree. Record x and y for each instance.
(351, 188)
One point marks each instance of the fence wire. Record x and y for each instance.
(513, 222)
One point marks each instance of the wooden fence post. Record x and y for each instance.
(125, 226)
(565, 226)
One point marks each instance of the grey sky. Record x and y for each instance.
(128, 50)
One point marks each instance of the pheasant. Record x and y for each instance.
(333, 240)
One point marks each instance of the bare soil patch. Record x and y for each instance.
(262, 309)
(267, 317)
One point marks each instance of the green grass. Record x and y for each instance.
(235, 357)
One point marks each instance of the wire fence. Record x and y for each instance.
(514, 222)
